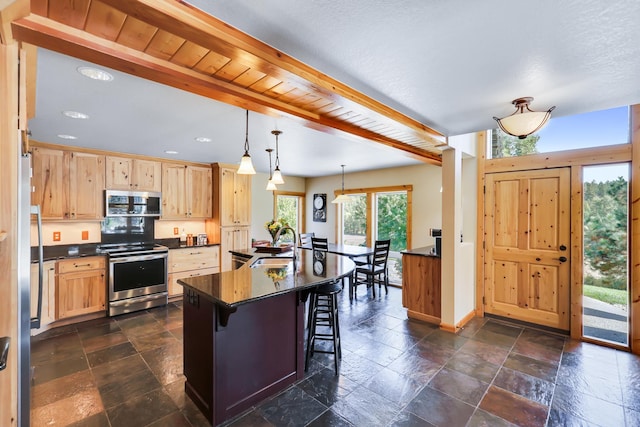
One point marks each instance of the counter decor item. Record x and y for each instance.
(273, 227)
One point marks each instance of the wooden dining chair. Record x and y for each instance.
(304, 239)
(374, 272)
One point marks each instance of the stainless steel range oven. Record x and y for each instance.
(137, 277)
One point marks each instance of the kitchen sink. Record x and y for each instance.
(275, 262)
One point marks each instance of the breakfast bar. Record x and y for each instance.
(244, 329)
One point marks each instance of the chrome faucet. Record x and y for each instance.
(282, 230)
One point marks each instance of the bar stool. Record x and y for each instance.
(323, 312)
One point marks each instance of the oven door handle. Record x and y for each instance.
(138, 299)
(128, 258)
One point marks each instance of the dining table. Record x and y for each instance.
(351, 251)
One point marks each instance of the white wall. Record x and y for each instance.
(427, 201)
(262, 201)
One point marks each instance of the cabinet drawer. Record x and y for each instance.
(193, 258)
(176, 289)
(81, 264)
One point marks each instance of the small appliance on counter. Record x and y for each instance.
(436, 233)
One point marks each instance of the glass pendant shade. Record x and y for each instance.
(271, 186)
(246, 165)
(277, 177)
(523, 122)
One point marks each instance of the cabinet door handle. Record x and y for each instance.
(4, 349)
(82, 265)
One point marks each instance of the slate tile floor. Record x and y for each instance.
(126, 371)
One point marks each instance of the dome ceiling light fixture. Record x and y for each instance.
(277, 175)
(523, 122)
(246, 165)
(342, 198)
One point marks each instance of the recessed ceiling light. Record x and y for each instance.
(170, 151)
(95, 74)
(203, 139)
(75, 115)
(63, 136)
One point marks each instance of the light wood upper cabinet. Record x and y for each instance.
(68, 185)
(234, 197)
(81, 286)
(133, 174)
(186, 191)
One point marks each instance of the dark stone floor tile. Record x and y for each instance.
(537, 368)
(123, 380)
(532, 388)
(582, 405)
(178, 333)
(482, 418)
(502, 328)
(398, 388)
(440, 409)
(98, 327)
(363, 407)
(494, 338)
(98, 420)
(559, 418)
(166, 362)
(175, 419)
(147, 329)
(542, 338)
(408, 419)
(377, 352)
(473, 366)
(326, 387)
(472, 326)
(513, 408)
(142, 410)
(330, 419)
(536, 351)
(53, 333)
(432, 351)
(62, 347)
(631, 397)
(45, 372)
(603, 388)
(487, 352)
(460, 386)
(194, 415)
(358, 369)
(445, 339)
(603, 368)
(103, 341)
(110, 354)
(415, 328)
(135, 319)
(291, 407)
(149, 342)
(415, 366)
(62, 388)
(251, 419)
(632, 417)
(399, 340)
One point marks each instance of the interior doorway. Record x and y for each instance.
(605, 300)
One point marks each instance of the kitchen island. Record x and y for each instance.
(244, 329)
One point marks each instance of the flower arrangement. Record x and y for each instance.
(277, 274)
(274, 226)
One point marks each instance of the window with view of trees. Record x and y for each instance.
(288, 206)
(385, 211)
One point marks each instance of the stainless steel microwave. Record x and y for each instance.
(132, 203)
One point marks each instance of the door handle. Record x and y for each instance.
(562, 259)
(4, 348)
(563, 248)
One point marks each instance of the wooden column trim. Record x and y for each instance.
(481, 152)
(635, 232)
(577, 236)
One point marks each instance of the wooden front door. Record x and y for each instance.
(527, 268)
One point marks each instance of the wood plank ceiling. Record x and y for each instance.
(176, 44)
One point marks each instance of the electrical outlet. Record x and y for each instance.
(175, 231)
(85, 234)
(56, 236)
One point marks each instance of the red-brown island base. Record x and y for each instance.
(244, 330)
(257, 354)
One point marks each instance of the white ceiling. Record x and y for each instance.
(452, 65)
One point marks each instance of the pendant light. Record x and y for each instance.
(523, 122)
(277, 175)
(342, 198)
(271, 186)
(246, 166)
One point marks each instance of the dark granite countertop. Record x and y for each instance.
(247, 284)
(423, 251)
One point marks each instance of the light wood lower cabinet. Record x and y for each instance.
(81, 286)
(421, 291)
(232, 238)
(48, 311)
(190, 262)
